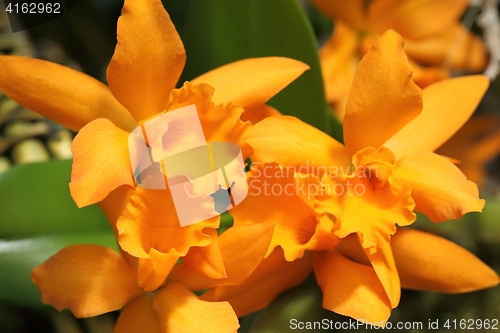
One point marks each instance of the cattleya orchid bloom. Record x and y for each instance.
(90, 280)
(388, 157)
(142, 75)
(433, 36)
(347, 276)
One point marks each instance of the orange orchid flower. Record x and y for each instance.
(90, 280)
(142, 75)
(354, 282)
(433, 36)
(387, 167)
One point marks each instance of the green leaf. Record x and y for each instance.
(333, 126)
(217, 32)
(35, 200)
(19, 257)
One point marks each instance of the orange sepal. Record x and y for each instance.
(101, 162)
(89, 280)
(383, 97)
(148, 60)
(429, 130)
(430, 262)
(351, 289)
(251, 82)
(439, 188)
(138, 316)
(64, 95)
(181, 311)
(293, 143)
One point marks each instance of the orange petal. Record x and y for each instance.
(115, 203)
(339, 58)
(148, 58)
(179, 310)
(220, 123)
(251, 82)
(385, 268)
(150, 230)
(439, 188)
(153, 270)
(112, 207)
(293, 143)
(351, 12)
(367, 202)
(207, 260)
(455, 48)
(382, 261)
(64, 95)
(276, 195)
(87, 279)
(429, 262)
(138, 316)
(273, 276)
(443, 114)
(350, 248)
(383, 96)
(256, 114)
(351, 289)
(101, 162)
(243, 247)
(415, 19)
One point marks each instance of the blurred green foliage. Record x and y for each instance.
(37, 218)
(35, 200)
(19, 257)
